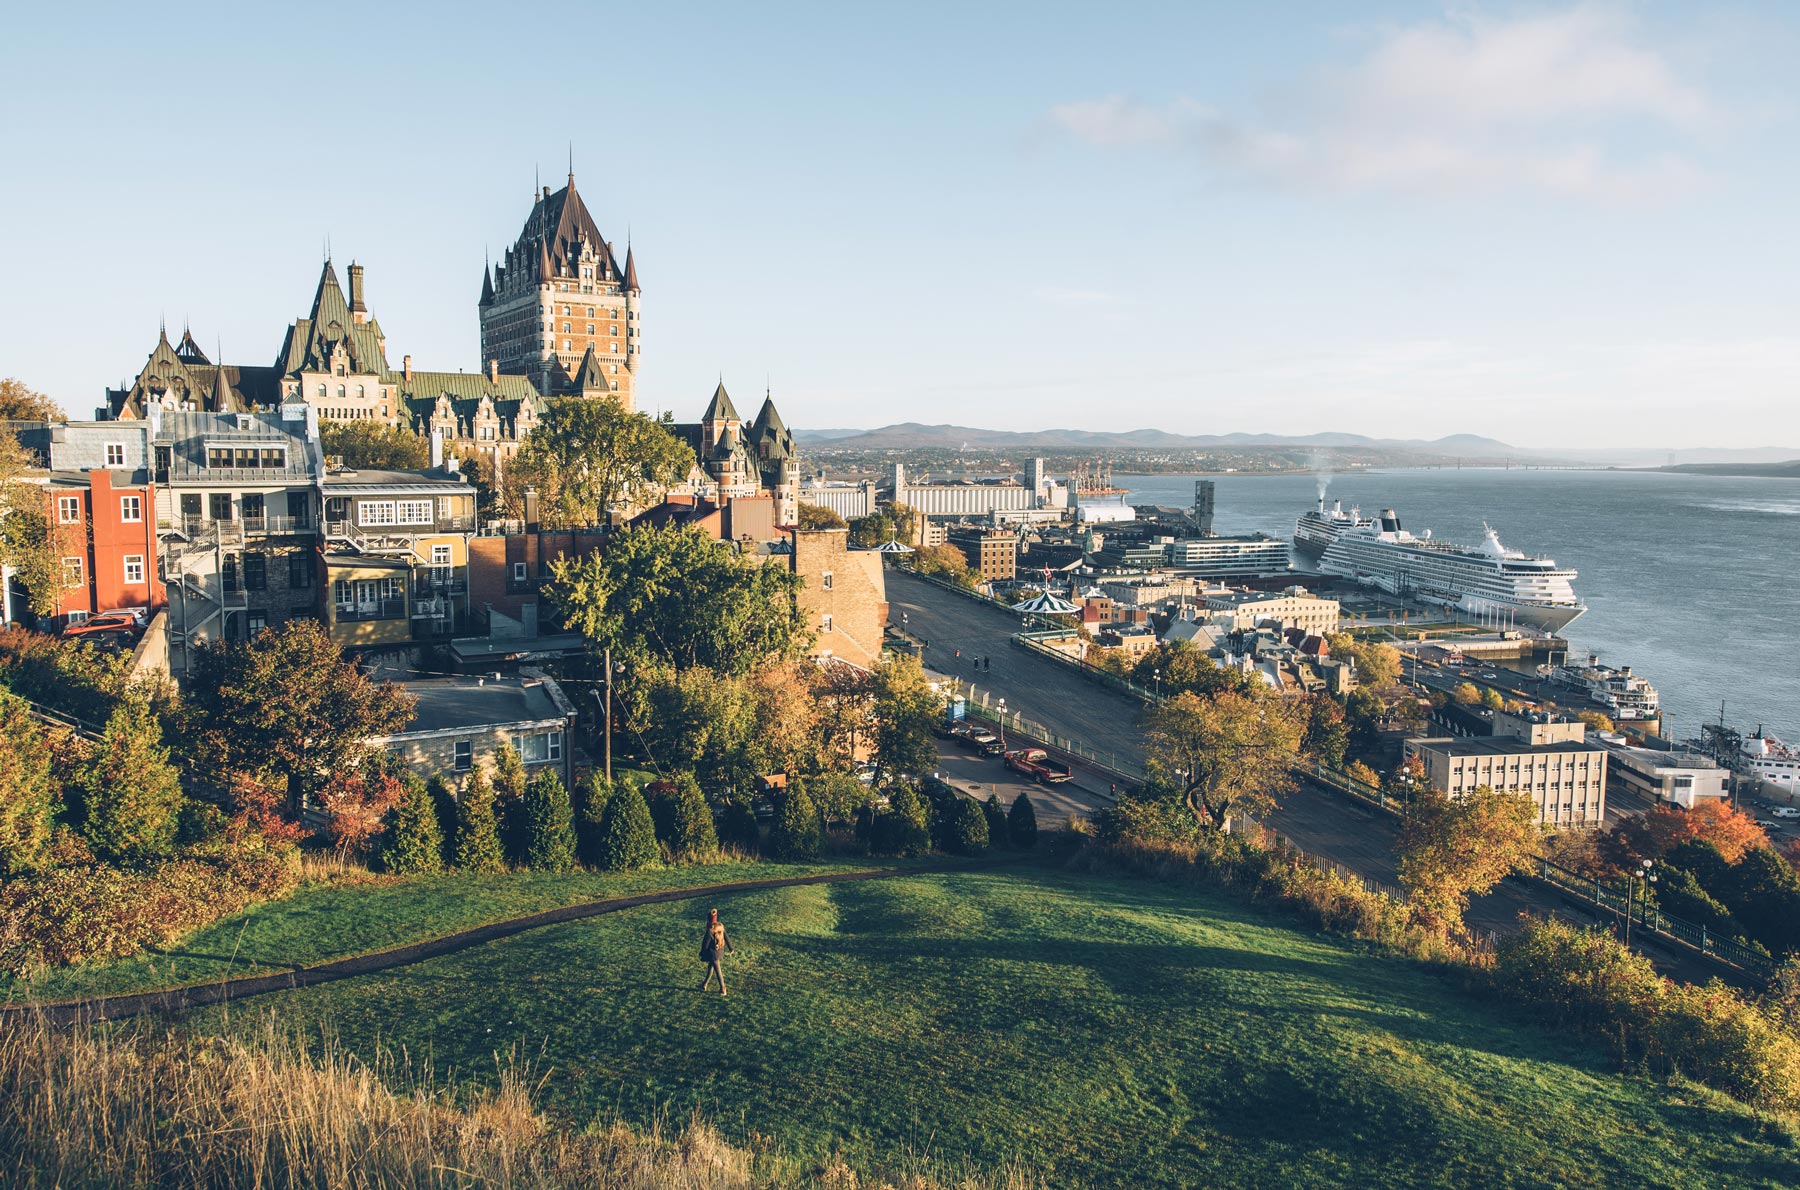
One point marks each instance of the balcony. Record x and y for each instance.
(423, 586)
(264, 526)
(380, 609)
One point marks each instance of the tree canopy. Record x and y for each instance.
(1227, 755)
(586, 457)
(1452, 848)
(371, 443)
(19, 402)
(817, 516)
(904, 710)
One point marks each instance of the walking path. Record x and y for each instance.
(129, 1004)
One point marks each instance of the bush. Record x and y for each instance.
(550, 822)
(966, 832)
(996, 821)
(415, 841)
(509, 804)
(796, 832)
(1021, 821)
(691, 834)
(443, 803)
(28, 799)
(477, 830)
(901, 829)
(131, 792)
(591, 795)
(1146, 820)
(735, 825)
(86, 913)
(627, 836)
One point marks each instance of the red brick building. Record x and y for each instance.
(106, 523)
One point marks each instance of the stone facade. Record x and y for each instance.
(844, 598)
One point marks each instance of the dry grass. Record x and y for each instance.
(140, 1107)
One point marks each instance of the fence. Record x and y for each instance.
(1038, 733)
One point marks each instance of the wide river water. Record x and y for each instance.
(1692, 580)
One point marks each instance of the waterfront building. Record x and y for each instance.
(849, 500)
(1685, 779)
(1542, 757)
(1294, 607)
(957, 501)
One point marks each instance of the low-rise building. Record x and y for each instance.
(994, 553)
(843, 599)
(1294, 607)
(459, 724)
(396, 555)
(1685, 779)
(1540, 756)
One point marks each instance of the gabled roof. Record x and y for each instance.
(311, 340)
(589, 377)
(721, 408)
(560, 222)
(189, 351)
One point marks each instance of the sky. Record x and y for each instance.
(1558, 225)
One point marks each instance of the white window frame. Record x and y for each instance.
(521, 572)
(462, 756)
(73, 571)
(68, 510)
(134, 568)
(375, 512)
(825, 622)
(412, 512)
(440, 555)
(131, 509)
(825, 581)
(115, 455)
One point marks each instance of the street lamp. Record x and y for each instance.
(1157, 674)
(1003, 723)
(1633, 876)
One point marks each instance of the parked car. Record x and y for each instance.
(1786, 811)
(120, 621)
(980, 739)
(1768, 824)
(1036, 764)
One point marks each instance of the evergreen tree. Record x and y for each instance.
(477, 831)
(735, 824)
(131, 791)
(967, 832)
(1021, 821)
(443, 800)
(902, 828)
(691, 832)
(509, 804)
(28, 800)
(591, 795)
(415, 843)
(550, 822)
(795, 834)
(627, 836)
(996, 820)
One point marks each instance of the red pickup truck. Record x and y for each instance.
(1036, 764)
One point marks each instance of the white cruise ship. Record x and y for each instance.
(1316, 530)
(1488, 580)
(1622, 692)
(1768, 759)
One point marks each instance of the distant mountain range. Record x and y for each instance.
(916, 436)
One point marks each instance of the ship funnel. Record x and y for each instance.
(1390, 521)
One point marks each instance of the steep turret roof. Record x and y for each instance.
(189, 351)
(487, 285)
(721, 408)
(223, 399)
(561, 221)
(329, 305)
(588, 377)
(768, 419)
(631, 281)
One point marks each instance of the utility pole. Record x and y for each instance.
(609, 673)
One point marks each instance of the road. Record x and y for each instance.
(1320, 821)
(979, 776)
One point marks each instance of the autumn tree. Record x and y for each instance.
(1358, 771)
(1493, 700)
(1597, 721)
(1229, 755)
(375, 444)
(275, 716)
(945, 562)
(357, 804)
(130, 792)
(788, 708)
(845, 708)
(28, 801)
(905, 708)
(817, 516)
(1327, 733)
(1377, 664)
(1466, 694)
(586, 458)
(1181, 666)
(18, 402)
(1727, 828)
(1453, 848)
(31, 544)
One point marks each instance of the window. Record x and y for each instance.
(321, 392)
(220, 506)
(440, 555)
(825, 622)
(374, 512)
(115, 454)
(218, 456)
(465, 755)
(541, 748)
(565, 328)
(256, 572)
(300, 571)
(134, 568)
(256, 621)
(131, 508)
(274, 457)
(344, 597)
(393, 588)
(341, 393)
(228, 573)
(68, 510)
(590, 329)
(412, 512)
(254, 506)
(520, 573)
(825, 581)
(71, 572)
(359, 392)
(614, 347)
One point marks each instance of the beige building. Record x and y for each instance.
(1541, 757)
(396, 555)
(1294, 607)
(844, 599)
(993, 553)
(459, 724)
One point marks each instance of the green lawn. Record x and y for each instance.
(1098, 1032)
(329, 921)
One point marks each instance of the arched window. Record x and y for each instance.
(359, 392)
(321, 392)
(340, 392)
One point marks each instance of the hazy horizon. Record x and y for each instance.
(1559, 226)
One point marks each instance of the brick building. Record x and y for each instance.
(992, 552)
(396, 555)
(843, 601)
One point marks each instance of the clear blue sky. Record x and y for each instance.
(1549, 223)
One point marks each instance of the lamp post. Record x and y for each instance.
(1640, 873)
(1002, 708)
(1156, 674)
(607, 700)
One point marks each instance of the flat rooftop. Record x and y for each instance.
(446, 704)
(1499, 745)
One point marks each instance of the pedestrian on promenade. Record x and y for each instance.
(714, 945)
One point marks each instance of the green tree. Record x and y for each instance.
(905, 708)
(1229, 755)
(867, 532)
(1493, 700)
(967, 831)
(735, 825)
(587, 458)
(550, 822)
(904, 828)
(375, 444)
(1327, 737)
(276, 716)
(1021, 821)
(1377, 665)
(131, 793)
(998, 834)
(691, 833)
(627, 836)
(817, 516)
(443, 800)
(415, 841)
(510, 780)
(1452, 848)
(592, 793)
(477, 830)
(28, 801)
(675, 598)
(795, 834)
(945, 562)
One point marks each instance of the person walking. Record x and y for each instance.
(714, 945)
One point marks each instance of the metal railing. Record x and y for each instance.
(385, 609)
(1037, 733)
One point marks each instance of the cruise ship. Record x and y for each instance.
(1316, 530)
(1488, 580)
(1769, 760)
(1623, 693)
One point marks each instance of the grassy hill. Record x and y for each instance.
(1093, 1031)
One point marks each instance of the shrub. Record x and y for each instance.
(415, 841)
(901, 828)
(735, 825)
(359, 805)
(966, 832)
(691, 834)
(591, 794)
(1146, 820)
(477, 830)
(550, 822)
(443, 803)
(131, 792)
(27, 792)
(996, 821)
(795, 833)
(1021, 821)
(627, 836)
(509, 803)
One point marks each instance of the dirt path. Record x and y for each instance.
(129, 1004)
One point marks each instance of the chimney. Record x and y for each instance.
(531, 510)
(437, 449)
(406, 367)
(359, 313)
(493, 371)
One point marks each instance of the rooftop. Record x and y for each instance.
(1499, 745)
(446, 704)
